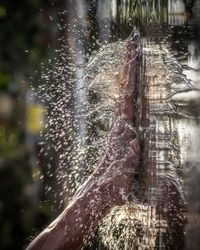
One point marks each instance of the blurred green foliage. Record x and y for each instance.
(22, 30)
(9, 142)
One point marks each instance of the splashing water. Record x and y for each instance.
(132, 225)
(80, 113)
(82, 96)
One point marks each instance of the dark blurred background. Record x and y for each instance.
(28, 34)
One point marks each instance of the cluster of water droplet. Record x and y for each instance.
(80, 102)
(131, 226)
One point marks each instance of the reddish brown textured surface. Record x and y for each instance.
(111, 183)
